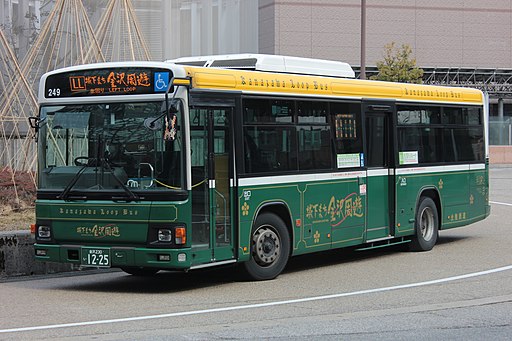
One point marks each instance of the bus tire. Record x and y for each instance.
(270, 248)
(426, 226)
(140, 271)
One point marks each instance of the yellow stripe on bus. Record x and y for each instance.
(255, 81)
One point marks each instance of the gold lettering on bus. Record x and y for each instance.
(457, 216)
(102, 211)
(430, 93)
(110, 230)
(337, 210)
(282, 83)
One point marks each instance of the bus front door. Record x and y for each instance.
(380, 175)
(212, 234)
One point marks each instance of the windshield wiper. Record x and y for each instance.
(65, 193)
(104, 164)
(131, 195)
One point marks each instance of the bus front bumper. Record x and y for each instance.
(118, 257)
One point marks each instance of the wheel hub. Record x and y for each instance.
(266, 246)
(427, 223)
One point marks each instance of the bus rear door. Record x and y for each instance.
(380, 170)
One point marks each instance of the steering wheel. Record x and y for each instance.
(89, 161)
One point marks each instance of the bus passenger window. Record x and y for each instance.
(264, 111)
(314, 147)
(269, 149)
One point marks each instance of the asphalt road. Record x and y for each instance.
(461, 290)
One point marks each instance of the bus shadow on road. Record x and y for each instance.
(445, 240)
(176, 281)
(162, 282)
(353, 255)
(335, 258)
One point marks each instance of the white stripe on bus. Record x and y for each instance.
(478, 166)
(378, 172)
(438, 169)
(285, 179)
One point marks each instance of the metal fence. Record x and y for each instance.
(500, 132)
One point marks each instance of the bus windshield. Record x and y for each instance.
(125, 147)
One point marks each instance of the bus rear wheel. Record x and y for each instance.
(270, 248)
(426, 226)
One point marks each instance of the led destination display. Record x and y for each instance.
(105, 82)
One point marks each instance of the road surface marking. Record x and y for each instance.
(260, 305)
(500, 203)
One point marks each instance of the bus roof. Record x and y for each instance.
(303, 85)
(280, 82)
(271, 63)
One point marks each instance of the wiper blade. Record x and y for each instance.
(131, 195)
(65, 193)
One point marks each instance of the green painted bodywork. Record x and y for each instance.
(378, 213)
(463, 197)
(323, 215)
(331, 214)
(121, 226)
(320, 215)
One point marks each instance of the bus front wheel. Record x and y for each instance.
(270, 248)
(426, 226)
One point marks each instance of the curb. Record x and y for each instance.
(17, 257)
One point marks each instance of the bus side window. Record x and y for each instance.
(251, 152)
(346, 125)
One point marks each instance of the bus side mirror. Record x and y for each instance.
(169, 110)
(34, 123)
(153, 123)
(173, 105)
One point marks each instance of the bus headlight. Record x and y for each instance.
(44, 232)
(164, 235)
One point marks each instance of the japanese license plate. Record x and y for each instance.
(99, 257)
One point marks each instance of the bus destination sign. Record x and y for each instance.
(105, 82)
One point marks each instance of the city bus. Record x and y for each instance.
(249, 159)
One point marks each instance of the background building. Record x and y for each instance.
(457, 42)
(178, 28)
(453, 33)
(20, 21)
(466, 42)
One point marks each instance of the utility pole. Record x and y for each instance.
(362, 72)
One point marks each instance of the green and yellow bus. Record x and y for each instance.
(250, 159)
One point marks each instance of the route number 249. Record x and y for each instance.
(55, 92)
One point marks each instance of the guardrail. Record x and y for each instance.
(17, 256)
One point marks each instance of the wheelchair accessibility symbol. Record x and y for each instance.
(161, 81)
